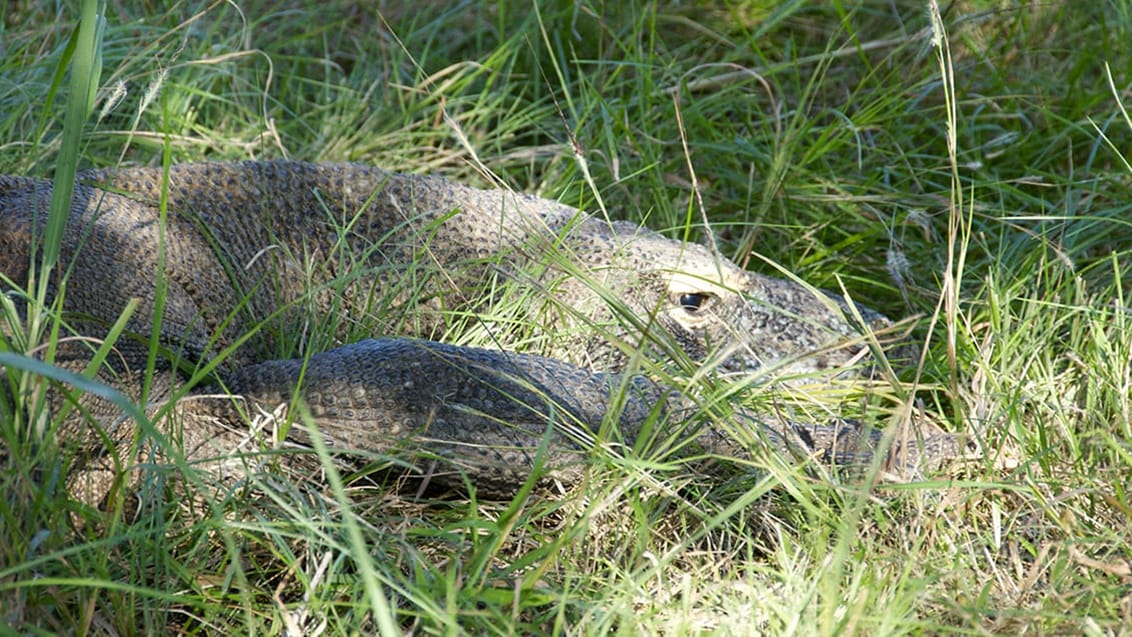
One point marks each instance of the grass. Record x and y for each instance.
(816, 136)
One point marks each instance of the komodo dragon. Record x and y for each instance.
(261, 246)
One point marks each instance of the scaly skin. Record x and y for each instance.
(270, 243)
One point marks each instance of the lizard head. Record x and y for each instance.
(666, 293)
(742, 321)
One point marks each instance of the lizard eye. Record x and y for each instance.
(693, 301)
